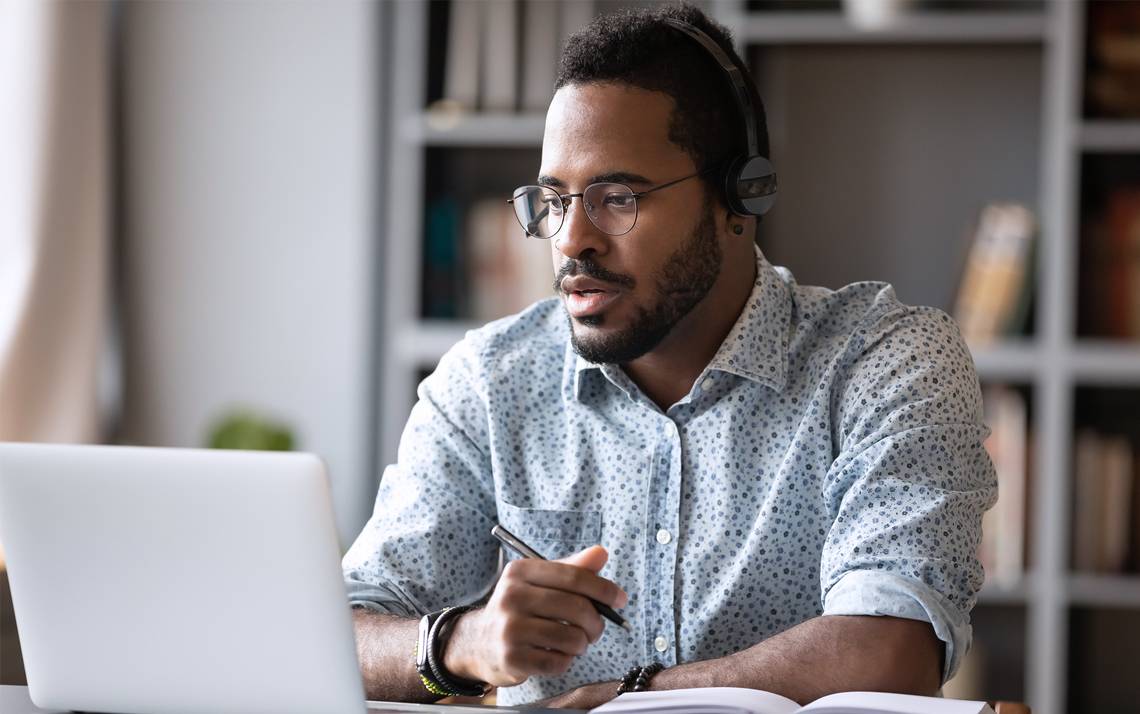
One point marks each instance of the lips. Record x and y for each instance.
(587, 296)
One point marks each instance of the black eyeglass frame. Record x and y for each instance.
(567, 198)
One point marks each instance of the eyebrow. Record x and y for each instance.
(611, 177)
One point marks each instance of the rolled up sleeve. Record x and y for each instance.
(427, 544)
(909, 487)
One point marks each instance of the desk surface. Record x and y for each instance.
(15, 700)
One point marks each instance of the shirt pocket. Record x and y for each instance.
(553, 533)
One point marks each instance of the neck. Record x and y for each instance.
(667, 373)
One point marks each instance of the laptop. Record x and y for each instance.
(177, 580)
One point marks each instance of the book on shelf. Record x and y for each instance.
(461, 65)
(1110, 267)
(1117, 464)
(738, 700)
(540, 54)
(1133, 564)
(1002, 549)
(508, 270)
(442, 274)
(1102, 502)
(997, 284)
(499, 66)
(502, 55)
(1123, 216)
(1112, 87)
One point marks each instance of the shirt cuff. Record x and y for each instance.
(867, 592)
(378, 598)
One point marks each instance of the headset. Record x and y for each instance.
(750, 180)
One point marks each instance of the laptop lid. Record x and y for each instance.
(177, 580)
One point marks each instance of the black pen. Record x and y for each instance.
(517, 546)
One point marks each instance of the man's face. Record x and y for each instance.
(624, 294)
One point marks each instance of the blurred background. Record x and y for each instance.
(259, 224)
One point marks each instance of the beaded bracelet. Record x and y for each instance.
(637, 678)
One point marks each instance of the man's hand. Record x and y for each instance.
(539, 618)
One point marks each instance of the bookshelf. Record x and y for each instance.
(1044, 634)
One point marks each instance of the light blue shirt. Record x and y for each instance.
(828, 460)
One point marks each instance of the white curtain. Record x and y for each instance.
(54, 216)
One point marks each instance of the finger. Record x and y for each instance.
(592, 558)
(569, 578)
(550, 663)
(569, 608)
(520, 599)
(566, 638)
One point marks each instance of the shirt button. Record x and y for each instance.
(707, 384)
(660, 644)
(663, 537)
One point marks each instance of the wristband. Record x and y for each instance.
(433, 632)
(637, 678)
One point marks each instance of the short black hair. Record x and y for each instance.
(638, 48)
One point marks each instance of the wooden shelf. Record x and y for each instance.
(436, 129)
(920, 27)
(1109, 136)
(1104, 590)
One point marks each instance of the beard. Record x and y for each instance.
(680, 284)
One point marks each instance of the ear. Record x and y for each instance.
(740, 226)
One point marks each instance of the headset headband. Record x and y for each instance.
(735, 77)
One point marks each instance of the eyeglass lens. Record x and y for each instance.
(611, 207)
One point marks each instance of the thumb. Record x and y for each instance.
(592, 558)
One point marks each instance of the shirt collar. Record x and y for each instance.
(755, 348)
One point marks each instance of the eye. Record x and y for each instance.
(619, 200)
(553, 202)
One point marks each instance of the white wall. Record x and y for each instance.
(249, 139)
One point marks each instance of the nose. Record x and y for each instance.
(579, 234)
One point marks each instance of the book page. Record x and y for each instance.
(883, 703)
(705, 700)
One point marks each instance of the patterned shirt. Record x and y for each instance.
(828, 460)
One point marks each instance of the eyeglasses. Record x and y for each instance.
(612, 207)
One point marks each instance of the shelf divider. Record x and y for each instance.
(1105, 135)
(927, 27)
(474, 130)
(1105, 362)
(1104, 590)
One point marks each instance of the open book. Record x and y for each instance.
(735, 700)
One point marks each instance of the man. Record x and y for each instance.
(787, 481)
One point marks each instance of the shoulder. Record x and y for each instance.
(865, 314)
(533, 340)
(539, 328)
(838, 310)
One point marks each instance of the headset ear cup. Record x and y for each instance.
(751, 186)
(756, 186)
(731, 180)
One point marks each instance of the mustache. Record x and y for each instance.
(590, 269)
